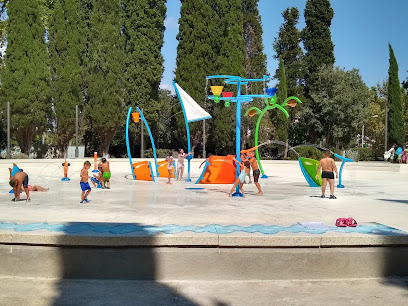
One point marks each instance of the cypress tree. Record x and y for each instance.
(396, 133)
(255, 63)
(66, 41)
(316, 36)
(143, 32)
(26, 75)
(106, 65)
(287, 46)
(195, 60)
(231, 61)
(282, 122)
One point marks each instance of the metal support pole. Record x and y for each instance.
(8, 130)
(76, 132)
(362, 137)
(237, 192)
(142, 139)
(386, 129)
(204, 153)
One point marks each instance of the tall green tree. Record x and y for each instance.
(287, 46)
(316, 38)
(105, 71)
(26, 75)
(342, 98)
(143, 31)
(195, 61)
(66, 47)
(282, 123)
(255, 63)
(374, 126)
(396, 133)
(231, 61)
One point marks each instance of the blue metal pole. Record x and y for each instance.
(151, 139)
(238, 135)
(127, 142)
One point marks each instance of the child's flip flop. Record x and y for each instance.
(351, 222)
(341, 222)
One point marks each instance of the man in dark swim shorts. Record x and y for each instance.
(327, 165)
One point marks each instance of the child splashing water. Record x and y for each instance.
(180, 163)
(245, 168)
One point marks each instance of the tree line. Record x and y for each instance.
(105, 56)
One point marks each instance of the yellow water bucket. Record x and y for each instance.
(217, 90)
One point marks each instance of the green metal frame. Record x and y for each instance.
(258, 122)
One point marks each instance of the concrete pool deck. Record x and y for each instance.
(143, 213)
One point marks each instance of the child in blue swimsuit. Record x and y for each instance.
(245, 168)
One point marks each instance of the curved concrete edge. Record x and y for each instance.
(240, 240)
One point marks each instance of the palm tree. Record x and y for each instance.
(270, 104)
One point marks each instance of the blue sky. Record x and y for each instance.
(361, 30)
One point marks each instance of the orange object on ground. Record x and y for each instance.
(66, 165)
(163, 172)
(142, 171)
(95, 161)
(221, 170)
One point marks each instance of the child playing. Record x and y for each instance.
(255, 171)
(106, 174)
(327, 165)
(245, 168)
(169, 160)
(180, 163)
(19, 181)
(97, 179)
(86, 189)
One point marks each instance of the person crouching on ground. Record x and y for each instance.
(245, 168)
(327, 165)
(20, 181)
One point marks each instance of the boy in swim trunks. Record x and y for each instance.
(106, 174)
(19, 181)
(245, 168)
(180, 163)
(255, 171)
(86, 189)
(327, 165)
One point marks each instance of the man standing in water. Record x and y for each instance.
(327, 165)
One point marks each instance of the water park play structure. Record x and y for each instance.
(271, 103)
(238, 99)
(218, 170)
(193, 112)
(142, 170)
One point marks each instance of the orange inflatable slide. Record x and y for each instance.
(218, 170)
(143, 171)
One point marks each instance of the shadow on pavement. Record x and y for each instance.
(99, 267)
